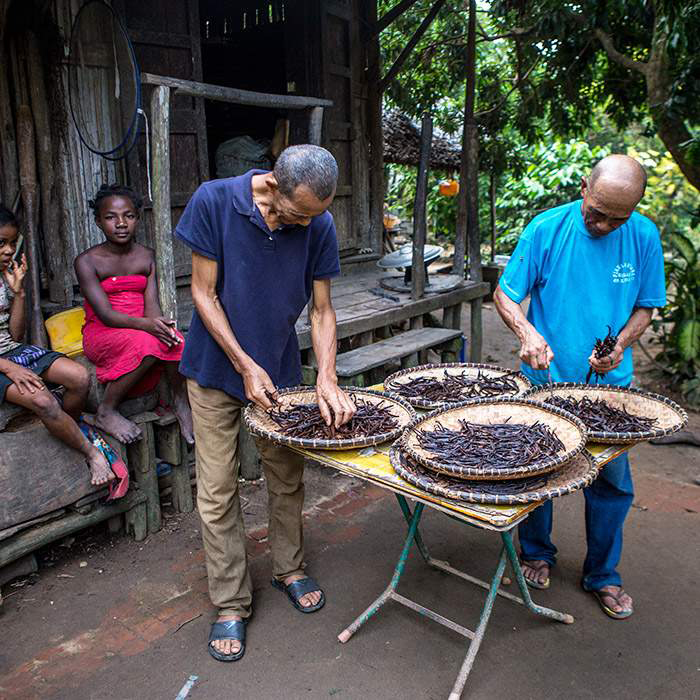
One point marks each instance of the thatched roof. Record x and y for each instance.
(402, 144)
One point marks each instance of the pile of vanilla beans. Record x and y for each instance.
(305, 421)
(502, 487)
(600, 416)
(457, 386)
(495, 446)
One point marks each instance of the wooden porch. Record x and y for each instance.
(365, 311)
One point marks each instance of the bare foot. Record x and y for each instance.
(184, 417)
(308, 599)
(536, 572)
(99, 467)
(227, 646)
(115, 424)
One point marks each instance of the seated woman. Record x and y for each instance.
(125, 335)
(23, 368)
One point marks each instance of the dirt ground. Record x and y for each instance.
(107, 618)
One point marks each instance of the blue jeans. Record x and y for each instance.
(608, 499)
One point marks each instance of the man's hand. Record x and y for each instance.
(333, 402)
(534, 350)
(15, 274)
(24, 379)
(258, 385)
(609, 362)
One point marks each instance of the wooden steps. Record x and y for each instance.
(368, 364)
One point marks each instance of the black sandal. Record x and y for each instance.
(230, 629)
(298, 589)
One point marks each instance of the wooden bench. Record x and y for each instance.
(366, 365)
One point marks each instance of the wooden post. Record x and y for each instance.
(60, 289)
(9, 173)
(162, 219)
(420, 224)
(470, 165)
(375, 135)
(492, 202)
(27, 178)
(141, 456)
(315, 125)
(466, 176)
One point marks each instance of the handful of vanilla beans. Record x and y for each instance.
(601, 349)
(305, 421)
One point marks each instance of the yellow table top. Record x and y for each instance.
(372, 464)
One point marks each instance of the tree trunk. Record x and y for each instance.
(671, 129)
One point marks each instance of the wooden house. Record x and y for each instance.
(291, 70)
(293, 48)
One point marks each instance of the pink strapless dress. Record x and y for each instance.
(118, 351)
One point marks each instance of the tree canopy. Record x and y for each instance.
(545, 64)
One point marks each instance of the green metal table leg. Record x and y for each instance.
(418, 539)
(400, 566)
(527, 600)
(480, 630)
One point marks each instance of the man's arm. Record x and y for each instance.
(534, 350)
(323, 339)
(634, 328)
(208, 305)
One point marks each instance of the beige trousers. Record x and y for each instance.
(217, 420)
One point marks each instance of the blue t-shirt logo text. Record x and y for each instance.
(624, 272)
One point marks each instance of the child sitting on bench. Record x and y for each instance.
(126, 336)
(23, 368)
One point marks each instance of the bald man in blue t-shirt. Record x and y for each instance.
(586, 265)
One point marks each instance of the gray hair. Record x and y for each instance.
(308, 165)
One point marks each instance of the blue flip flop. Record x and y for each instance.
(298, 589)
(231, 629)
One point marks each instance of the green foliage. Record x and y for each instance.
(553, 177)
(679, 329)
(670, 201)
(576, 71)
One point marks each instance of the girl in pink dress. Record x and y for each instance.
(126, 336)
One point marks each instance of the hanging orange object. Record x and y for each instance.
(448, 188)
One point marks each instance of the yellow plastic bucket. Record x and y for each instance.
(66, 331)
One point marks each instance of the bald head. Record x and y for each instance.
(619, 176)
(611, 193)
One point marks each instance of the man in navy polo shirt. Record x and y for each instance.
(586, 265)
(262, 245)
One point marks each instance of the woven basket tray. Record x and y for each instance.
(437, 370)
(578, 473)
(569, 429)
(260, 424)
(669, 415)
